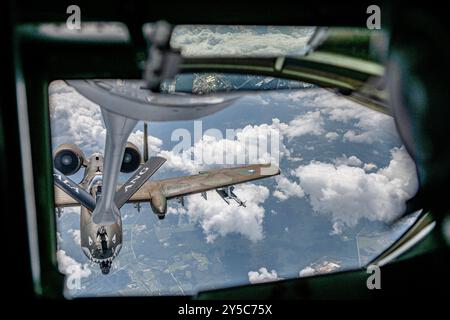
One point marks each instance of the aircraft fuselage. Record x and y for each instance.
(101, 244)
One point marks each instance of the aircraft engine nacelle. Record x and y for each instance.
(68, 158)
(158, 203)
(131, 158)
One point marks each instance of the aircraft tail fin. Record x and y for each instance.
(145, 142)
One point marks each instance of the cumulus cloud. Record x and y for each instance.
(351, 161)
(70, 267)
(75, 119)
(251, 144)
(349, 193)
(219, 219)
(137, 138)
(306, 272)
(369, 166)
(368, 126)
(262, 275)
(308, 123)
(286, 189)
(241, 40)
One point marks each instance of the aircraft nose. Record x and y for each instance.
(98, 255)
(106, 254)
(101, 244)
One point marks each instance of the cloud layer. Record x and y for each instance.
(240, 40)
(286, 189)
(70, 267)
(219, 219)
(75, 119)
(251, 144)
(349, 193)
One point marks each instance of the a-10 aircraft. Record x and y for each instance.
(97, 193)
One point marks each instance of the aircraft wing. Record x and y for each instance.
(73, 190)
(133, 184)
(204, 181)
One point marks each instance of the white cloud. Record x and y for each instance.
(401, 170)
(349, 193)
(75, 119)
(240, 40)
(263, 275)
(253, 141)
(286, 189)
(351, 161)
(219, 219)
(154, 144)
(369, 166)
(306, 272)
(70, 267)
(369, 126)
(71, 210)
(59, 239)
(308, 123)
(76, 235)
(336, 228)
